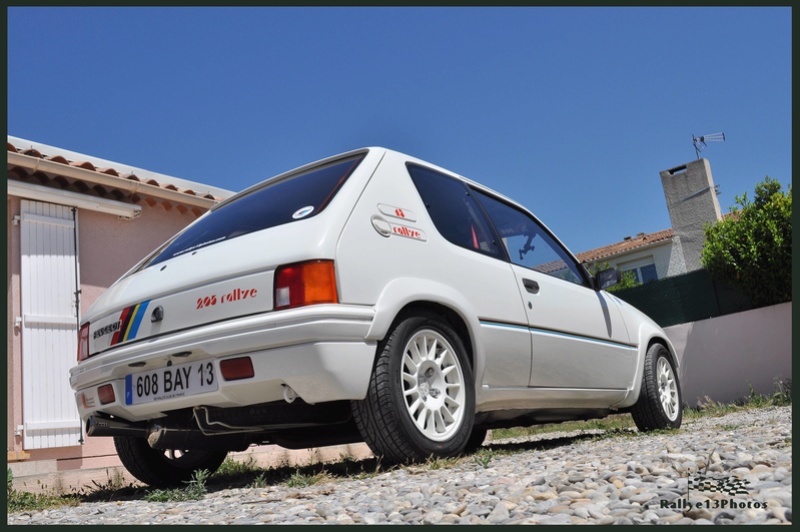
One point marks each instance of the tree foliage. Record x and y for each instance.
(627, 278)
(752, 247)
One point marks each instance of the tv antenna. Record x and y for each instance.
(700, 142)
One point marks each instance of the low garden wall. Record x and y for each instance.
(722, 357)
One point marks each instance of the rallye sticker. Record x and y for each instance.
(397, 212)
(409, 232)
(128, 323)
(388, 229)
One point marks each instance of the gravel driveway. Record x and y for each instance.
(739, 465)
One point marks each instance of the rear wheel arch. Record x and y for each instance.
(421, 397)
(403, 296)
(450, 316)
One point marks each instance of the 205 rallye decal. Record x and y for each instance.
(237, 294)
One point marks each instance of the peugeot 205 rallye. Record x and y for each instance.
(372, 297)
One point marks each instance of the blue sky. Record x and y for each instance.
(571, 111)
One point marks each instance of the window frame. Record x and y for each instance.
(554, 243)
(474, 191)
(636, 266)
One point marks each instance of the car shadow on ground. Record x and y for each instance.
(304, 478)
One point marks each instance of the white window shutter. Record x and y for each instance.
(49, 325)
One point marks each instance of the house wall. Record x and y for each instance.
(720, 356)
(107, 247)
(660, 254)
(110, 246)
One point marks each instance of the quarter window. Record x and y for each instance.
(454, 211)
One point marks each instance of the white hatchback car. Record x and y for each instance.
(370, 296)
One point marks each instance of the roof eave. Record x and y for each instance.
(93, 176)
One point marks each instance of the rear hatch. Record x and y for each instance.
(222, 266)
(186, 293)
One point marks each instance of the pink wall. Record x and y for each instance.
(720, 356)
(110, 246)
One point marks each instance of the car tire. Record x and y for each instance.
(476, 439)
(421, 397)
(164, 468)
(660, 403)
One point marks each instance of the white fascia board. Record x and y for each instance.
(73, 199)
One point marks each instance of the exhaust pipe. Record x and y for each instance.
(164, 437)
(161, 437)
(99, 425)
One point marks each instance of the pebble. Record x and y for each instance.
(622, 479)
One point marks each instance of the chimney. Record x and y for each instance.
(692, 203)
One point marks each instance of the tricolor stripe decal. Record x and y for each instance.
(130, 319)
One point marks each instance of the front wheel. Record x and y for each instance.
(660, 403)
(164, 468)
(421, 397)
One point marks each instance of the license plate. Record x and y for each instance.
(170, 382)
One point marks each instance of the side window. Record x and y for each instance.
(453, 209)
(528, 244)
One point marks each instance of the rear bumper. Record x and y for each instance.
(320, 352)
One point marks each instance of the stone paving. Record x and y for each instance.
(739, 466)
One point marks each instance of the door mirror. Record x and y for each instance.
(607, 278)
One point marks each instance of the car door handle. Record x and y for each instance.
(531, 286)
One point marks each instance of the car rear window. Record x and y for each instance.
(286, 200)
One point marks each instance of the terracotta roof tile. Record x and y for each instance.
(17, 172)
(629, 244)
(86, 165)
(122, 193)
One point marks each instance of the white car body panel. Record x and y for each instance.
(567, 346)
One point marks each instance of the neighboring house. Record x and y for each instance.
(646, 255)
(75, 224)
(692, 202)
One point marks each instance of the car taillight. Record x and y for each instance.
(83, 342)
(305, 283)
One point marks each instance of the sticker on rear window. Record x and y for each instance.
(302, 213)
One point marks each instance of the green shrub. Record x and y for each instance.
(752, 247)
